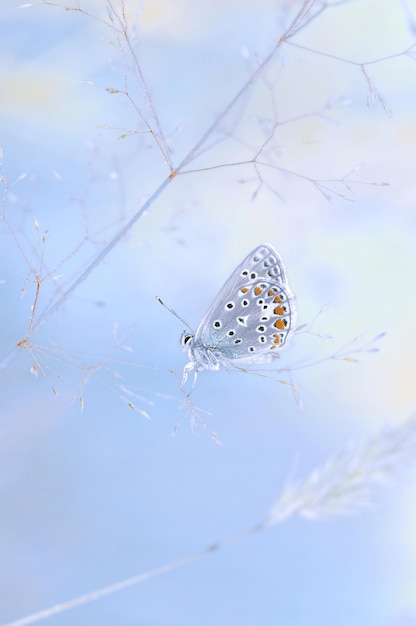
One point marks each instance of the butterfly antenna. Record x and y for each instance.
(174, 313)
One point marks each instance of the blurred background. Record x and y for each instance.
(316, 158)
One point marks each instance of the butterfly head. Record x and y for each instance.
(186, 340)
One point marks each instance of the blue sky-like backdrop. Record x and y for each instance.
(316, 157)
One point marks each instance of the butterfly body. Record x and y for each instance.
(249, 321)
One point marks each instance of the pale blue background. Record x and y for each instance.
(89, 498)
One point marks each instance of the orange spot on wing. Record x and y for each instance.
(280, 324)
(257, 290)
(276, 339)
(271, 292)
(277, 299)
(279, 310)
(244, 290)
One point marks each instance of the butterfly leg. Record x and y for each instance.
(189, 367)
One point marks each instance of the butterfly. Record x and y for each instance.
(250, 320)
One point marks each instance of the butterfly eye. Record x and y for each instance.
(186, 338)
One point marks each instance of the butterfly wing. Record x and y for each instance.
(253, 314)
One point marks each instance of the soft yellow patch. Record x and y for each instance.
(23, 91)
